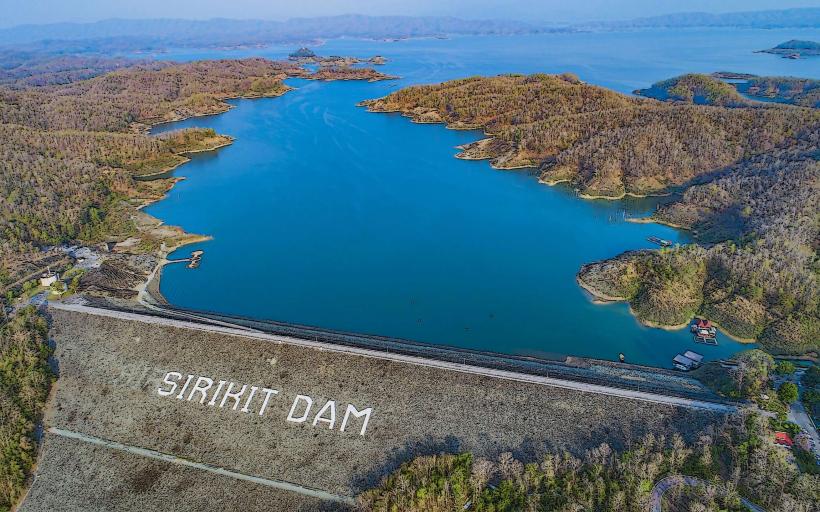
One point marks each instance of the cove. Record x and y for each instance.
(326, 215)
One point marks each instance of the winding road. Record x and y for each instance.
(656, 500)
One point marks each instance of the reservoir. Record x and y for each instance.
(326, 215)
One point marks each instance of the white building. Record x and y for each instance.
(48, 279)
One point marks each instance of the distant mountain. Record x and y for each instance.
(121, 35)
(785, 18)
(228, 32)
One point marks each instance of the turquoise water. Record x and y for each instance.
(324, 214)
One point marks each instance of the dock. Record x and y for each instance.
(659, 241)
(193, 261)
(704, 332)
(196, 258)
(687, 361)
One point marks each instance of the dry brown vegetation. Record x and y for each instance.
(714, 90)
(760, 280)
(69, 152)
(755, 173)
(604, 143)
(736, 458)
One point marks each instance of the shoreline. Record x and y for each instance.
(653, 220)
(149, 291)
(600, 298)
(185, 155)
(367, 104)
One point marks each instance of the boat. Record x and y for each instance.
(660, 241)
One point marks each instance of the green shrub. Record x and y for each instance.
(787, 392)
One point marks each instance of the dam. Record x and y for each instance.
(228, 417)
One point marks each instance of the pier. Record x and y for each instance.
(193, 261)
(660, 241)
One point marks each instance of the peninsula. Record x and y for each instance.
(88, 141)
(604, 143)
(749, 172)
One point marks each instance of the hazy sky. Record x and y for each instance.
(15, 12)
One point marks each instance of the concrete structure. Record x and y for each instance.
(139, 420)
(48, 279)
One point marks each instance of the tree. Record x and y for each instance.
(787, 392)
(812, 376)
(785, 368)
(752, 372)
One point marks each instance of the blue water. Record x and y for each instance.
(324, 214)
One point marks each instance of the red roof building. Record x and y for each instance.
(704, 324)
(783, 439)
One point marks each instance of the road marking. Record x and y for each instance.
(644, 396)
(152, 454)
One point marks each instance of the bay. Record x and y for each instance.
(326, 215)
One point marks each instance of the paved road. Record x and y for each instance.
(798, 414)
(664, 485)
(151, 454)
(363, 352)
(656, 499)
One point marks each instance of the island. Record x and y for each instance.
(302, 53)
(795, 49)
(747, 174)
(699, 89)
(728, 89)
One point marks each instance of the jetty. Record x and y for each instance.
(193, 261)
(659, 241)
(196, 258)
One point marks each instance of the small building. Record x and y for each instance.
(681, 362)
(703, 324)
(783, 439)
(694, 356)
(48, 278)
(704, 331)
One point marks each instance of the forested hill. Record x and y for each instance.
(715, 90)
(699, 89)
(69, 152)
(756, 169)
(759, 280)
(115, 101)
(605, 143)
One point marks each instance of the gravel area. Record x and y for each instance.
(78, 477)
(111, 371)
